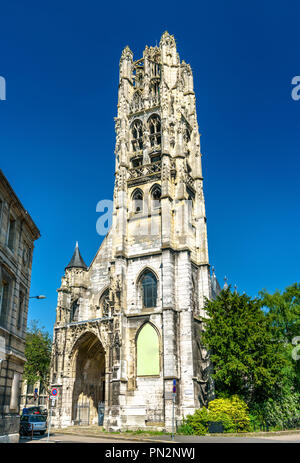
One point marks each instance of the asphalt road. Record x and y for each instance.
(70, 438)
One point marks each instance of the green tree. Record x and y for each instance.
(248, 360)
(283, 310)
(38, 354)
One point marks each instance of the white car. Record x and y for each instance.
(33, 423)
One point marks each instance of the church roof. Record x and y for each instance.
(76, 261)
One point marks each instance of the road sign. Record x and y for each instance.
(54, 392)
(174, 386)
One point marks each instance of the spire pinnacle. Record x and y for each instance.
(76, 261)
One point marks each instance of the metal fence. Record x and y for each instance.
(83, 414)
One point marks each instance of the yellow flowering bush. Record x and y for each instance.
(232, 412)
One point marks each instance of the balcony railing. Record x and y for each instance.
(145, 170)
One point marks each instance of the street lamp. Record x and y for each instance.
(37, 297)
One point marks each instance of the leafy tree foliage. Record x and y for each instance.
(247, 357)
(283, 310)
(38, 355)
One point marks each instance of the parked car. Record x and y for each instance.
(34, 411)
(35, 423)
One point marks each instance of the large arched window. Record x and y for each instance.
(147, 347)
(137, 199)
(149, 289)
(154, 130)
(137, 135)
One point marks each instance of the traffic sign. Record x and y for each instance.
(54, 392)
(174, 386)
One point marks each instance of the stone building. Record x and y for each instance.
(17, 235)
(130, 323)
(34, 395)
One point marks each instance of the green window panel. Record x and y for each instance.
(147, 352)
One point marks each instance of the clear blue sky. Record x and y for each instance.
(60, 60)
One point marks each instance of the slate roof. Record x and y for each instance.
(77, 261)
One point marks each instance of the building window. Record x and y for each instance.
(11, 233)
(149, 289)
(154, 130)
(137, 161)
(137, 135)
(147, 347)
(137, 199)
(30, 388)
(5, 297)
(155, 158)
(20, 309)
(155, 196)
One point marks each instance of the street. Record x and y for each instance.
(77, 438)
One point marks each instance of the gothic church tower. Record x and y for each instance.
(130, 323)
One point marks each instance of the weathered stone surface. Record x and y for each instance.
(159, 226)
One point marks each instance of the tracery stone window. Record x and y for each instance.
(137, 135)
(149, 289)
(155, 196)
(147, 348)
(137, 199)
(154, 130)
(154, 88)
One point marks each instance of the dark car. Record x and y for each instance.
(33, 423)
(34, 411)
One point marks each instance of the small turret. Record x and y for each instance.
(76, 261)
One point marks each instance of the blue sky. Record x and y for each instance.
(61, 61)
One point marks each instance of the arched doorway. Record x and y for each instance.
(89, 380)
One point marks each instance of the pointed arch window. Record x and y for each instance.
(137, 199)
(155, 196)
(149, 289)
(154, 130)
(137, 135)
(147, 347)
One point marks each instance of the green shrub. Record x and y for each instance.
(279, 413)
(232, 412)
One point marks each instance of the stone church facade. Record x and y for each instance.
(130, 323)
